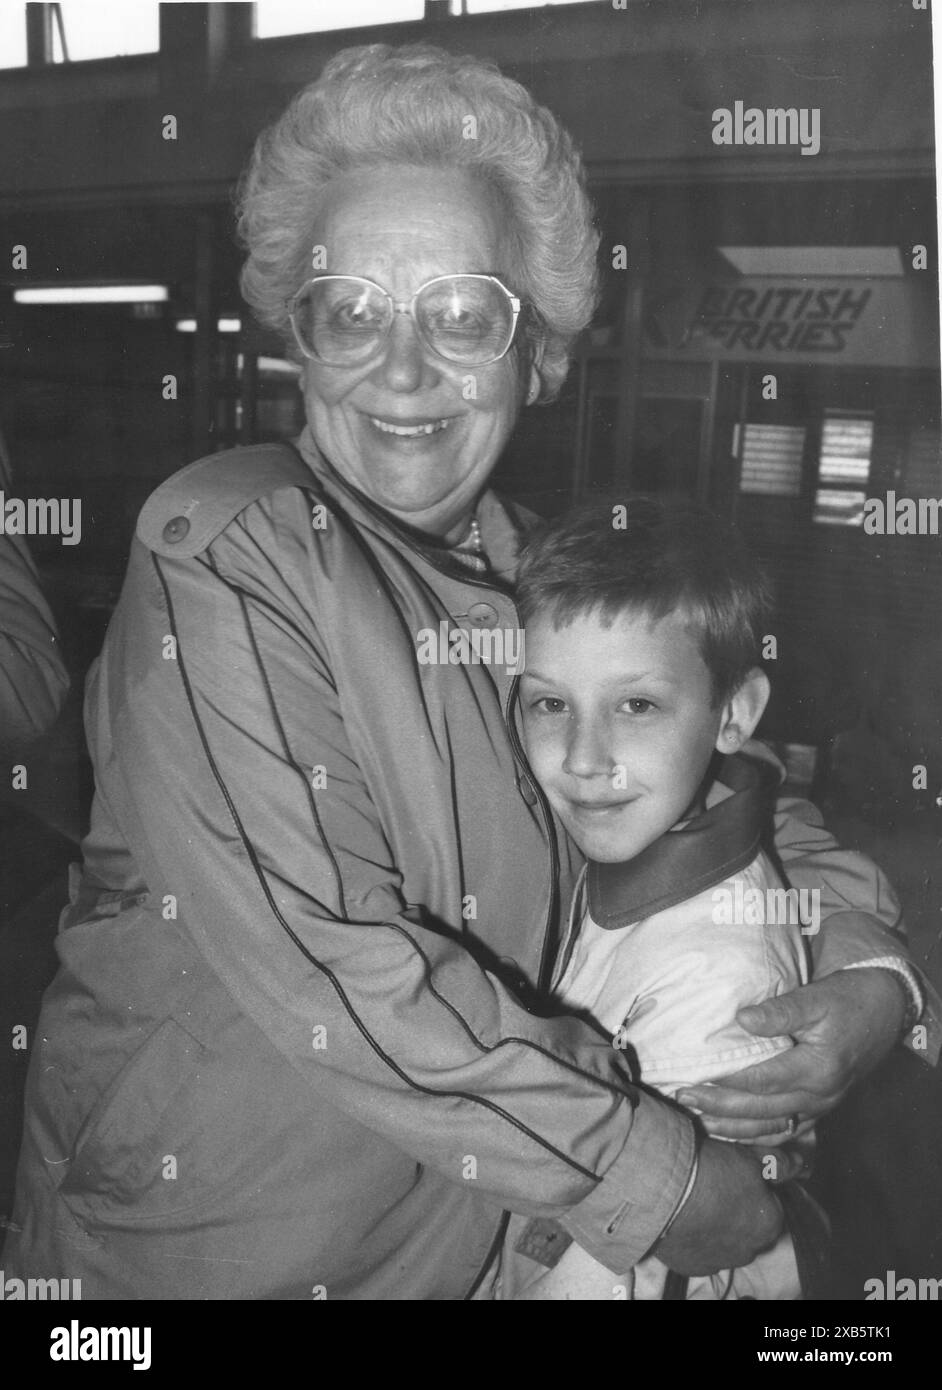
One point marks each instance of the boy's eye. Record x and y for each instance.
(637, 705)
(549, 704)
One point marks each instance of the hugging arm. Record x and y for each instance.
(293, 901)
(864, 993)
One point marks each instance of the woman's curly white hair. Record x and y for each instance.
(410, 105)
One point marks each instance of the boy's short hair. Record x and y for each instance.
(655, 554)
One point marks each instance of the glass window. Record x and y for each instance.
(843, 468)
(274, 17)
(107, 29)
(839, 507)
(772, 459)
(12, 36)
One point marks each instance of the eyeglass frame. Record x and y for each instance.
(407, 307)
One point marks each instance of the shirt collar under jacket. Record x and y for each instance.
(719, 842)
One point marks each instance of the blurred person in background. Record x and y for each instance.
(33, 680)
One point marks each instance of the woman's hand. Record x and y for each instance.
(731, 1215)
(843, 1026)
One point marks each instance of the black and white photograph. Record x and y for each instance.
(470, 665)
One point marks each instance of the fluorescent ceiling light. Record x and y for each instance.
(92, 294)
(814, 260)
(222, 325)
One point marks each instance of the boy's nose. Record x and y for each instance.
(587, 752)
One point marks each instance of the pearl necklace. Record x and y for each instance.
(472, 538)
(470, 548)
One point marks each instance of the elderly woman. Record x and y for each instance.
(293, 1048)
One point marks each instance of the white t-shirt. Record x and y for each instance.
(668, 987)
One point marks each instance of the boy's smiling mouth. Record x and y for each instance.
(600, 807)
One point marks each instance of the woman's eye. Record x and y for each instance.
(354, 316)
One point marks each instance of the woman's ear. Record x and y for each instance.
(742, 711)
(535, 381)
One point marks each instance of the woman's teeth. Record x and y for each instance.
(408, 430)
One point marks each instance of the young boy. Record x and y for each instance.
(643, 629)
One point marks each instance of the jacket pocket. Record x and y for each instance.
(134, 1155)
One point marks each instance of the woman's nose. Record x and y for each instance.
(405, 364)
(587, 751)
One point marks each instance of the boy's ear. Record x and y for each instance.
(742, 711)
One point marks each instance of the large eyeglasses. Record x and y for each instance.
(343, 320)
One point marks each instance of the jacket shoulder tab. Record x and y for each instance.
(188, 511)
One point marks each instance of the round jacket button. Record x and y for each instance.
(176, 529)
(483, 613)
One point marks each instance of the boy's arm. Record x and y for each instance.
(860, 916)
(860, 913)
(855, 1010)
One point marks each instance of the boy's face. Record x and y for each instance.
(619, 726)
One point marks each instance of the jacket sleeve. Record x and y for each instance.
(33, 679)
(286, 885)
(860, 913)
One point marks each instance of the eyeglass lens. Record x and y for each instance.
(343, 320)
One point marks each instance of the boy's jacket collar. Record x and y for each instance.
(682, 863)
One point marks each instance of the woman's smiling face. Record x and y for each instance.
(417, 434)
